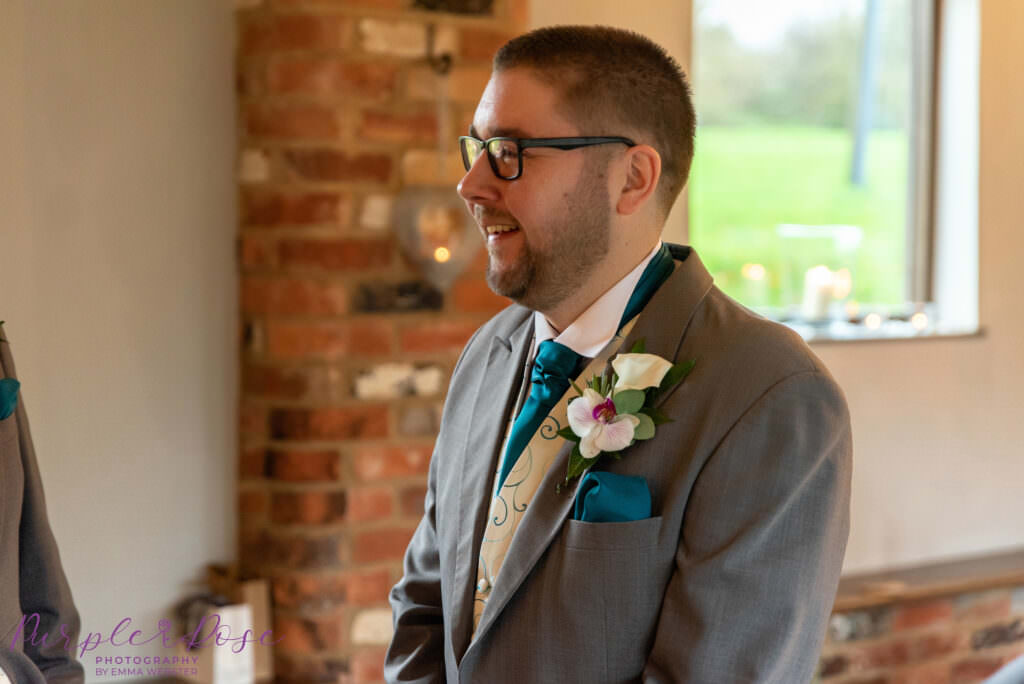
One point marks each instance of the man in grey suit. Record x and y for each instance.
(32, 580)
(580, 145)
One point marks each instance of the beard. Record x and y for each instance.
(580, 236)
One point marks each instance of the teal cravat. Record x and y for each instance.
(556, 364)
(552, 369)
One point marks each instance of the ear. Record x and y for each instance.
(643, 169)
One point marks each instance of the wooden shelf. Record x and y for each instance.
(931, 580)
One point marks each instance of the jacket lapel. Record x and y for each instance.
(662, 325)
(493, 401)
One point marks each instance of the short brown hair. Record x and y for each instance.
(611, 77)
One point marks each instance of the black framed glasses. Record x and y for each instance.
(506, 154)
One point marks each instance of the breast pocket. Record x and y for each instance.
(588, 536)
(619, 571)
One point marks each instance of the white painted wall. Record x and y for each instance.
(118, 286)
(938, 424)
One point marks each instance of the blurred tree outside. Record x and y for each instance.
(776, 98)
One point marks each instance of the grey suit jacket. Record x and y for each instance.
(31, 577)
(733, 578)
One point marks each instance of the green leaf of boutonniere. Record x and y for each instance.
(676, 373)
(8, 396)
(628, 401)
(645, 430)
(577, 464)
(638, 347)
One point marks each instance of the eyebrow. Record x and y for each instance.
(500, 133)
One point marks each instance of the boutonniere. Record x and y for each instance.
(611, 414)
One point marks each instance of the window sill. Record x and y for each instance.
(845, 331)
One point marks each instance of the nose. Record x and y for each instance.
(480, 184)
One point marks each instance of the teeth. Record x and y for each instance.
(494, 230)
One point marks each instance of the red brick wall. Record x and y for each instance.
(346, 352)
(959, 639)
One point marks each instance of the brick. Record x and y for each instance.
(293, 296)
(421, 168)
(254, 166)
(345, 254)
(272, 382)
(474, 295)
(412, 500)
(303, 551)
(308, 508)
(973, 670)
(936, 645)
(297, 668)
(355, 422)
(368, 587)
(371, 4)
(436, 336)
(368, 664)
(922, 614)
(291, 122)
(252, 464)
(253, 545)
(383, 297)
(998, 635)
(395, 380)
(333, 77)
(327, 383)
(253, 420)
(394, 38)
(930, 673)
(830, 666)
(391, 127)
(985, 606)
(372, 464)
(266, 33)
(475, 7)
(372, 627)
(303, 466)
(369, 503)
(257, 252)
(330, 165)
(481, 43)
(310, 593)
(376, 212)
(465, 83)
(328, 340)
(386, 544)
(419, 420)
(262, 207)
(309, 634)
(252, 504)
(880, 655)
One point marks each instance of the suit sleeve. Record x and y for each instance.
(416, 652)
(44, 589)
(762, 543)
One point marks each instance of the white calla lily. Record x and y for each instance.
(639, 371)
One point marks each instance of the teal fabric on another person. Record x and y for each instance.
(8, 396)
(607, 497)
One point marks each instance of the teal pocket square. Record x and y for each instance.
(607, 497)
(8, 396)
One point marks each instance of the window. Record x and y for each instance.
(811, 195)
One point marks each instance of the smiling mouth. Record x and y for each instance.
(500, 229)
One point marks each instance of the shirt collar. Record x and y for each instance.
(595, 327)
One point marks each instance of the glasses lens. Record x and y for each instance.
(505, 154)
(471, 149)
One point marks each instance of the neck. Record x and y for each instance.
(601, 279)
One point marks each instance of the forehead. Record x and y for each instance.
(517, 104)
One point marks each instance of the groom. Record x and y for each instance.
(711, 551)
